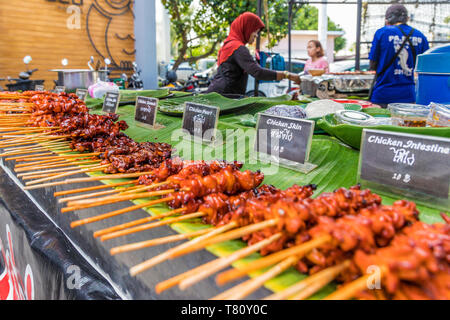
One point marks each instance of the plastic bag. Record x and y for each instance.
(99, 89)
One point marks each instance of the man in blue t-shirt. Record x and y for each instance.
(395, 78)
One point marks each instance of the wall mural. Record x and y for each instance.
(115, 41)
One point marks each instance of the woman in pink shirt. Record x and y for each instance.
(317, 60)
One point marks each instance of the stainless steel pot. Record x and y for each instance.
(78, 78)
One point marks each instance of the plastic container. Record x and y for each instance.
(408, 114)
(433, 82)
(352, 117)
(439, 115)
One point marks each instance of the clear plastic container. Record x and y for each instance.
(379, 121)
(352, 117)
(408, 114)
(439, 115)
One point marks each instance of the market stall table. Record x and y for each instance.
(337, 167)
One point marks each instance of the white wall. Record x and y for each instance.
(299, 43)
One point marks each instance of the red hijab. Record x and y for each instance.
(241, 29)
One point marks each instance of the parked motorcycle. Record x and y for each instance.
(23, 82)
(135, 81)
(191, 85)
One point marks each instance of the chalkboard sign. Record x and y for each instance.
(145, 111)
(413, 163)
(81, 94)
(200, 121)
(111, 102)
(284, 138)
(39, 87)
(60, 89)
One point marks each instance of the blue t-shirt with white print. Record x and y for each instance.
(396, 84)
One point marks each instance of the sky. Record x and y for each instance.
(345, 16)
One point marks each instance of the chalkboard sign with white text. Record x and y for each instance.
(39, 87)
(111, 102)
(60, 89)
(284, 138)
(81, 94)
(200, 121)
(145, 112)
(409, 162)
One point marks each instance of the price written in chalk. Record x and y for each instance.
(81, 94)
(60, 89)
(284, 138)
(111, 102)
(200, 121)
(39, 87)
(145, 112)
(413, 163)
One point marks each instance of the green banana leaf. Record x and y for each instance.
(337, 167)
(175, 106)
(128, 96)
(351, 134)
(249, 120)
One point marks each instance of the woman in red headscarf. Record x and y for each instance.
(235, 61)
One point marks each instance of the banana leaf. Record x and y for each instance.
(175, 106)
(128, 97)
(337, 167)
(351, 134)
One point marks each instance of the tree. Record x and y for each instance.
(307, 18)
(198, 30)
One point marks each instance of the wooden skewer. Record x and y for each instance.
(100, 193)
(317, 281)
(36, 163)
(30, 153)
(122, 191)
(31, 137)
(38, 176)
(29, 142)
(230, 235)
(107, 177)
(129, 190)
(351, 289)
(272, 259)
(66, 156)
(61, 165)
(111, 185)
(151, 225)
(32, 173)
(66, 174)
(116, 213)
(141, 267)
(221, 263)
(169, 283)
(49, 145)
(133, 223)
(118, 199)
(246, 288)
(157, 241)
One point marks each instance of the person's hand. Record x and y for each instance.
(294, 77)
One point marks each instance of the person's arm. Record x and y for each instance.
(373, 65)
(244, 59)
(374, 54)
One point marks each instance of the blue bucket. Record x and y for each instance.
(433, 83)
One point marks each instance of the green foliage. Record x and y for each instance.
(307, 18)
(199, 30)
